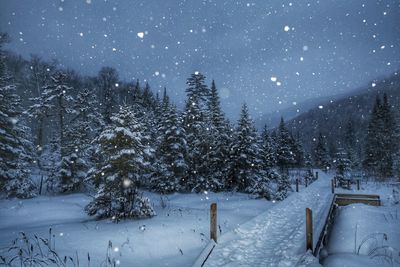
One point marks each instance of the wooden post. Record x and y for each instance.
(306, 181)
(297, 185)
(213, 221)
(358, 184)
(348, 184)
(41, 186)
(316, 175)
(333, 186)
(309, 230)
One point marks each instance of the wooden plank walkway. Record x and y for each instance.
(338, 201)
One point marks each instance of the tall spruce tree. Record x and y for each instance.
(58, 94)
(380, 141)
(343, 166)
(107, 80)
(15, 147)
(269, 149)
(123, 151)
(320, 154)
(389, 144)
(350, 144)
(246, 155)
(172, 168)
(218, 160)
(197, 126)
(284, 147)
(85, 124)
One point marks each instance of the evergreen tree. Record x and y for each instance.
(269, 149)
(15, 147)
(246, 156)
(374, 139)
(218, 160)
(350, 144)
(321, 157)
(284, 142)
(283, 187)
(389, 144)
(107, 80)
(148, 97)
(343, 166)
(380, 141)
(298, 151)
(116, 176)
(197, 126)
(57, 94)
(83, 127)
(172, 167)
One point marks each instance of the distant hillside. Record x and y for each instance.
(330, 118)
(272, 119)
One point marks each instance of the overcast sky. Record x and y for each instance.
(271, 54)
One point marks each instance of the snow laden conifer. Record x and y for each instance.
(172, 168)
(246, 171)
(374, 139)
(284, 147)
(220, 140)
(57, 97)
(269, 148)
(389, 144)
(320, 154)
(380, 146)
(15, 147)
(197, 126)
(343, 166)
(82, 128)
(123, 149)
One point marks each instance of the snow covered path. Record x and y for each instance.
(276, 237)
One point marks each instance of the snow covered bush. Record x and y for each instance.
(116, 175)
(283, 187)
(21, 188)
(262, 186)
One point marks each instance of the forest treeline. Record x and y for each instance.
(62, 132)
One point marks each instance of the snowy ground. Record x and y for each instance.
(175, 237)
(254, 232)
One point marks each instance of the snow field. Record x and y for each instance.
(175, 237)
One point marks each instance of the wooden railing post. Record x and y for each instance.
(316, 175)
(333, 186)
(358, 184)
(297, 185)
(306, 181)
(213, 222)
(309, 230)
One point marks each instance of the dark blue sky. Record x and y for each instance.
(271, 54)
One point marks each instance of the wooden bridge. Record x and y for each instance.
(315, 241)
(338, 201)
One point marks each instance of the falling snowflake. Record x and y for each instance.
(140, 35)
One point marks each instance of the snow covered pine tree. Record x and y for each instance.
(117, 174)
(15, 147)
